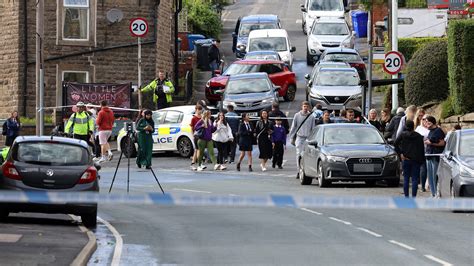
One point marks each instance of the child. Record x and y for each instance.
(278, 143)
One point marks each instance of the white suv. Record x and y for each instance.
(314, 9)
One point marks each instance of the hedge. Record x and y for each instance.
(408, 46)
(203, 18)
(461, 65)
(427, 74)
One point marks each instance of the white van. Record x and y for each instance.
(273, 40)
(313, 9)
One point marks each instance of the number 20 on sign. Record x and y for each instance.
(393, 62)
(138, 27)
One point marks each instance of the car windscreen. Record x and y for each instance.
(352, 135)
(50, 153)
(326, 5)
(240, 69)
(330, 29)
(466, 145)
(241, 86)
(341, 57)
(246, 28)
(263, 56)
(268, 43)
(337, 78)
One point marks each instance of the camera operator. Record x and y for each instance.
(162, 89)
(145, 128)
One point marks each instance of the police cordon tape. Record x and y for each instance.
(271, 200)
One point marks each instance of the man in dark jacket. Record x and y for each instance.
(233, 121)
(214, 56)
(276, 112)
(409, 145)
(392, 128)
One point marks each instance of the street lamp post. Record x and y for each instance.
(39, 112)
(394, 48)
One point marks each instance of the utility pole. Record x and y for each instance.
(369, 74)
(39, 68)
(394, 48)
(178, 6)
(140, 73)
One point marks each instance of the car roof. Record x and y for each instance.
(340, 50)
(332, 63)
(22, 139)
(347, 125)
(257, 62)
(262, 18)
(332, 69)
(249, 76)
(330, 20)
(183, 108)
(262, 52)
(268, 33)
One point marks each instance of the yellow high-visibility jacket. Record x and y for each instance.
(80, 124)
(154, 84)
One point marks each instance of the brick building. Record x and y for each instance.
(80, 44)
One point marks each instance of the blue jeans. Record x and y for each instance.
(432, 168)
(410, 169)
(423, 175)
(213, 65)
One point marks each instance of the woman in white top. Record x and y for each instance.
(221, 137)
(423, 130)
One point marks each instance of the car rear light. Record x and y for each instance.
(10, 171)
(90, 175)
(358, 65)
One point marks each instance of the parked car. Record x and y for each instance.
(456, 166)
(250, 93)
(277, 71)
(347, 55)
(50, 164)
(263, 55)
(310, 78)
(245, 25)
(328, 33)
(314, 9)
(274, 40)
(348, 152)
(336, 89)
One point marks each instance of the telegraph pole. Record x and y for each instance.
(39, 114)
(369, 74)
(394, 48)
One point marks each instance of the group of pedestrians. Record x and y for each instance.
(229, 131)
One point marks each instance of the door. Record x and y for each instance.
(168, 131)
(447, 166)
(158, 118)
(235, 35)
(311, 154)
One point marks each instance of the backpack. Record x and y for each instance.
(4, 129)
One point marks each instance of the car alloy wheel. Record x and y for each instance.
(185, 147)
(304, 179)
(321, 178)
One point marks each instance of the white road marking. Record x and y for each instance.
(10, 238)
(368, 232)
(234, 195)
(299, 21)
(118, 242)
(311, 211)
(440, 261)
(340, 221)
(191, 190)
(402, 245)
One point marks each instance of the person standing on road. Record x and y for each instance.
(424, 131)
(12, 128)
(385, 120)
(80, 124)
(301, 127)
(145, 128)
(105, 122)
(233, 121)
(206, 128)
(163, 90)
(222, 136)
(196, 117)
(276, 112)
(264, 130)
(214, 56)
(409, 145)
(278, 143)
(95, 137)
(391, 129)
(409, 115)
(373, 120)
(434, 145)
(246, 135)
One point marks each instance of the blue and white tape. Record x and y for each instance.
(272, 200)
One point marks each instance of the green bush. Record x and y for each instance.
(427, 75)
(447, 109)
(203, 18)
(461, 64)
(387, 100)
(409, 46)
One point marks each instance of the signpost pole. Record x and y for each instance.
(394, 48)
(139, 73)
(39, 66)
(369, 74)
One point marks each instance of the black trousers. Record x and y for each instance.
(222, 151)
(97, 150)
(233, 148)
(278, 152)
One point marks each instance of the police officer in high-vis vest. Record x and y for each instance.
(163, 90)
(80, 125)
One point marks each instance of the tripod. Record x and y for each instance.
(129, 136)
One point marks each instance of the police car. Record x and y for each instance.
(172, 132)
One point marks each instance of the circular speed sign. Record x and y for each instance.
(138, 27)
(393, 62)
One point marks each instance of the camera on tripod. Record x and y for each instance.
(129, 127)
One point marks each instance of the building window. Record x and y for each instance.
(76, 76)
(76, 20)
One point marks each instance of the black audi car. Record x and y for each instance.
(348, 152)
(50, 164)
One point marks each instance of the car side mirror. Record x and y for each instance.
(307, 76)
(310, 83)
(97, 166)
(449, 156)
(217, 72)
(293, 49)
(234, 34)
(303, 9)
(346, 9)
(276, 88)
(313, 143)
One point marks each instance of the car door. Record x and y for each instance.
(311, 154)
(448, 166)
(235, 35)
(168, 131)
(158, 118)
(276, 74)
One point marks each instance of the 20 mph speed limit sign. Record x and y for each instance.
(393, 62)
(138, 27)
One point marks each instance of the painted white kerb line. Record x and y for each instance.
(402, 245)
(118, 242)
(368, 231)
(311, 211)
(340, 221)
(440, 261)
(191, 190)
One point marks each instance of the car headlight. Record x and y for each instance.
(241, 46)
(356, 96)
(335, 159)
(266, 101)
(391, 158)
(316, 95)
(466, 171)
(208, 84)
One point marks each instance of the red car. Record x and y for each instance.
(277, 71)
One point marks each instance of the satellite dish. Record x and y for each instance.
(114, 15)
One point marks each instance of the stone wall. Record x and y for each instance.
(165, 38)
(465, 121)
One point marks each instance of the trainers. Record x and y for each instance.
(250, 168)
(264, 169)
(217, 167)
(200, 168)
(102, 159)
(280, 167)
(110, 156)
(95, 159)
(193, 167)
(223, 167)
(203, 166)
